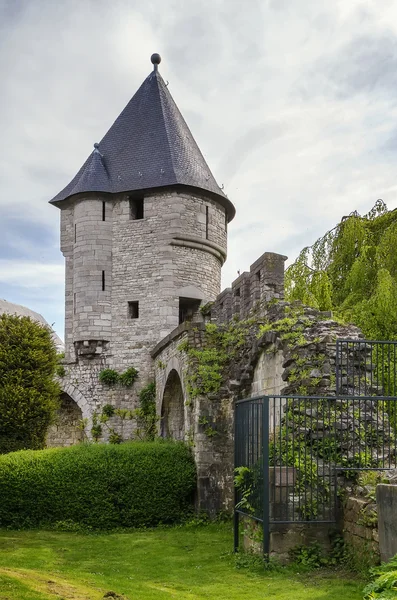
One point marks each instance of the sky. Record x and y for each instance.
(292, 102)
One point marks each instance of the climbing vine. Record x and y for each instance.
(206, 364)
(144, 415)
(352, 269)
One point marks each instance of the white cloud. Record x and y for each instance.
(31, 275)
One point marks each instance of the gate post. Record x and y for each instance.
(266, 511)
(235, 511)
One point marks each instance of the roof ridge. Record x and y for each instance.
(160, 80)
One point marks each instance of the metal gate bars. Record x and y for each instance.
(289, 449)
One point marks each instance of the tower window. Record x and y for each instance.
(188, 307)
(225, 220)
(133, 310)
(258, 275)
(103, 211)
(136, 208)
(237, 292)
(103, 281)
(206, 221)
(75, 233)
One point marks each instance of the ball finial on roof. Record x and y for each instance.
(96, 145)
(156, 59)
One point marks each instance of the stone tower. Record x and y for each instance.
(143, 232)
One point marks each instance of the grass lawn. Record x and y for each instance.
(186, 563)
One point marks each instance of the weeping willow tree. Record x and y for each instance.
(352, 270)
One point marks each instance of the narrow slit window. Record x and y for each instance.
(258, 275)
(75, 233)
(237, 292)
(206, 221)
(133, 310)
(103, 281)
(74, 303)
(103, 211)
(136, 208)
(225, 221)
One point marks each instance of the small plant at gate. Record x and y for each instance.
(243, 481)
(311, 556)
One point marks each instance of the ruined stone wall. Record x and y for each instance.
(268, 374)
(295, 354)
(264, 282)
(368, 517)
(361, 535)
(208, 419)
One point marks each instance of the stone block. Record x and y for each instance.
(386, 498)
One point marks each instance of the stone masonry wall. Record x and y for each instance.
(66, 430)
(213, 455)
(264, 282)
(361, 536)
(176, 250)
(262, 364)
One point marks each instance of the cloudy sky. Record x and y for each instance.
(292, 102)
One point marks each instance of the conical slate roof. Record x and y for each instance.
(148, 146)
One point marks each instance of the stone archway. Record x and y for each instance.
(66, 430)
(173, 408)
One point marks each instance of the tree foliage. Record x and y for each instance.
(28, 394)
(352, 270)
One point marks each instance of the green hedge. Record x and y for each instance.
(97, 485)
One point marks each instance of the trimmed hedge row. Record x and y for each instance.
(102, 486)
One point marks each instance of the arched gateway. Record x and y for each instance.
(173, 408)
(66, 430)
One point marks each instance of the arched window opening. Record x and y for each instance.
(172, 411)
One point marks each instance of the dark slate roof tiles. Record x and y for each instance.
(148, 146)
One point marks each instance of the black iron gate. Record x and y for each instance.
(289, 450)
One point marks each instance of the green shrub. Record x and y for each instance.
(128, 377)
(28, 393)
(384, 584)
(101, 486)
(108, 376)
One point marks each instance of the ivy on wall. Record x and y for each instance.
(145, 417)
(207, 364)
